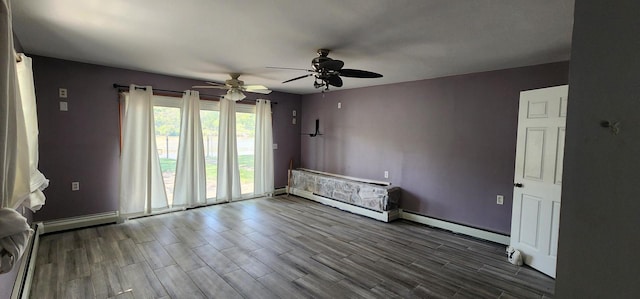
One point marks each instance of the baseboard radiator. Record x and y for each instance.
(22, 285)
(455, 227)
(80, 222)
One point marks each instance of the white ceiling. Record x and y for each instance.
(204, 39)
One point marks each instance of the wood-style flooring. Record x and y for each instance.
(280, 247)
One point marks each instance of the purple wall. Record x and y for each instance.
(449, 143)
(286, 135)
(83, 143)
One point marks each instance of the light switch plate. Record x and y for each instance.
(275, 146)
(64, 106)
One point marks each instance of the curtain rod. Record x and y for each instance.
(120, 86)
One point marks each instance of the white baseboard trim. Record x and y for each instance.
(458, 228)
(80, 222)
(22, 285)
(384, 216)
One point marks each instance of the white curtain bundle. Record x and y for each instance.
(14, 237)
(14, 160)
(263, 167)
(38, 182)
(141, 186)
(21, 180)
(228, 185)
(190, 186)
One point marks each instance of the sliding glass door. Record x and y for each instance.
(210, 119)
(246, 134)
(167, 114)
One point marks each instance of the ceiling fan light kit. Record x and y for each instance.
(234, 95)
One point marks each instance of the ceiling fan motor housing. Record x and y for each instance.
(315, 62)
(234, 83)
(322, 57)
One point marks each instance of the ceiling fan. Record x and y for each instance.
(235, 88)
(327, 71)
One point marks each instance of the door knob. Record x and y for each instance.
(519, 185)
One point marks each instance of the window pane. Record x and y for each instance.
(210, 121)
(246, 132)
(167, 127)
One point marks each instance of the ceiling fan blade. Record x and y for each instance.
(214, 83)
(288, 68)
(260, 91)
(335, 80)
(296, 78)
(248, 87)
(358, 73)
(256, 89)
(334, 65)
(210, 86)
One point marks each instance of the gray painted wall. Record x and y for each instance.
(599, 241)
(83, 143)
(449, 143)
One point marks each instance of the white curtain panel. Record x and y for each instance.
(263, 160)
(38, 182)
(190, 186)
(141, 186)
(14, 159)
(228, 185)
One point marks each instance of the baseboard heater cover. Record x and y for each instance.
(455, 227)
(80, 222)
(22, 286)
(385, 216)
(280, 191)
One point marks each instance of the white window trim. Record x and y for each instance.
(166, 101)
(245, 108)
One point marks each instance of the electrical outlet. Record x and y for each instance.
(62, 93)
(386, 174)
(294, 113)
(75, 186)
(275, 146)
(500, 199)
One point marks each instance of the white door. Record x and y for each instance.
(538, 176)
